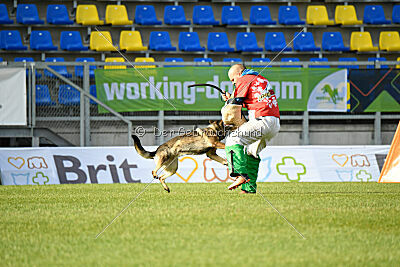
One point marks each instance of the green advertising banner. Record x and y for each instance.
(167, 88)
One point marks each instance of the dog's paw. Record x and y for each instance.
(167, 189)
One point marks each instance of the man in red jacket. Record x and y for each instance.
(254, 92)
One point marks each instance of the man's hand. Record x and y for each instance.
(226, 96)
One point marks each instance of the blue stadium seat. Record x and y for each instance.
(160, 41)
(28, 14)
(348, 59)
(275, 41)
(316, 59)
(175, 15)
(68, 95)
(289, 15)
(204, 15)
(232, 15)
(202, 59)
(27, 59)
(374, 14)
(41, 40)
(218, 41)
(11, 40)
(146, 15)
(259, 59)
(1, 59)
(333, 41)
(232, 60)
(260, 15)
(189, 41)
(58, 14)
(396, 14)
(173, 59)
(93, 92)
(4, 18)
(43, 97)
(377, 59)
(72, 41)
(62, 70)
(304, 42)
(79, 69)
(290, 59)
(247, 42)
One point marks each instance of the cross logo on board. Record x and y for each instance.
(291, 169)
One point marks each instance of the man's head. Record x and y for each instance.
(234, 72)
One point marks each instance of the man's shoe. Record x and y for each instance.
(238, 182)
(243, 192)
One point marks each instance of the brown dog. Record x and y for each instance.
(196, 142)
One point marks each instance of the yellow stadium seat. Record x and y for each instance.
(87, 15)
(389, 41)
(145, 59)
(101, 41)
(117, 15)
(346, 15)
(113, 67)
(131, 41)
(361, 41)
(318, 15)
(398, 66)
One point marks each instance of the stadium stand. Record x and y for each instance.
(389, 41)
(173, 59)
(316, 59)
(261, 15)
(72, 41)
(398, 66)
(346, 15)
(58, 15)
(79, 69)
(304, 42)
(41, 40)
(160, 41)
(289, 15)
(374, 14)
(146, 15)
(68, 95)
(348, 59)
(4, 18)
(145, 59)
(131, 41)
(362, 42)
(218, 41)
(62, 70)
(201, 59)
(113, 67)
(259, 59)
(43, 97)
(117, 15)
(232, 15)
(11, 40)
(318, 15)
(204, 15)
(290, 59)
(28, 14)
(333, 41)
(189, 41)
(88, 15)
(175, 15)
(396, 14)
(101, 41)
(375, 59)
(275, 41)
(247, 42)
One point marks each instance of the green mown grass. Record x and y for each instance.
(200, 224)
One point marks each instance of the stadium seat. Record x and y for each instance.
(173, 59)
(232, 59)
(361, 41)
(260, 15)
(4, 18)
(348, 59)
(259, 59)
(218, 41)
(43, 97)
(160, 41)
(93, 92)
(204, 15)
(275, 41)
(131, 41)
(318, 15)
(396, 14)
(42, 41)
(389, 41)
(145, 59)
(58, 15)
(1, 59)
(68, 95)
(247, 42)
(316, 59)
(114, 67)
(202, 59)
(11, 40)
(72, 41)
(146, 15)
(189, 41)
(375, 59)
(175, 15)
(117, 15)
(289, 15)
(27, 59)
(62, 70)
(88, 15)
(304, 42)
(346, 15)
(374, 14)
(232, 15)
(333, 41)
(28, 14)
(101, 41)
(290, 59)
(79, 69)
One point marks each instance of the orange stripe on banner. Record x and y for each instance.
(392, 157)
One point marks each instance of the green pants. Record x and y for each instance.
(243, 163)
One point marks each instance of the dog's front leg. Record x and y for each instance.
(213, 155)
(219, 145)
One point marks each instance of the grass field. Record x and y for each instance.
(200, 224)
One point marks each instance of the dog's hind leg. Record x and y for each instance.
(169, 170)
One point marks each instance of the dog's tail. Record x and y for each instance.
(140, 150)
